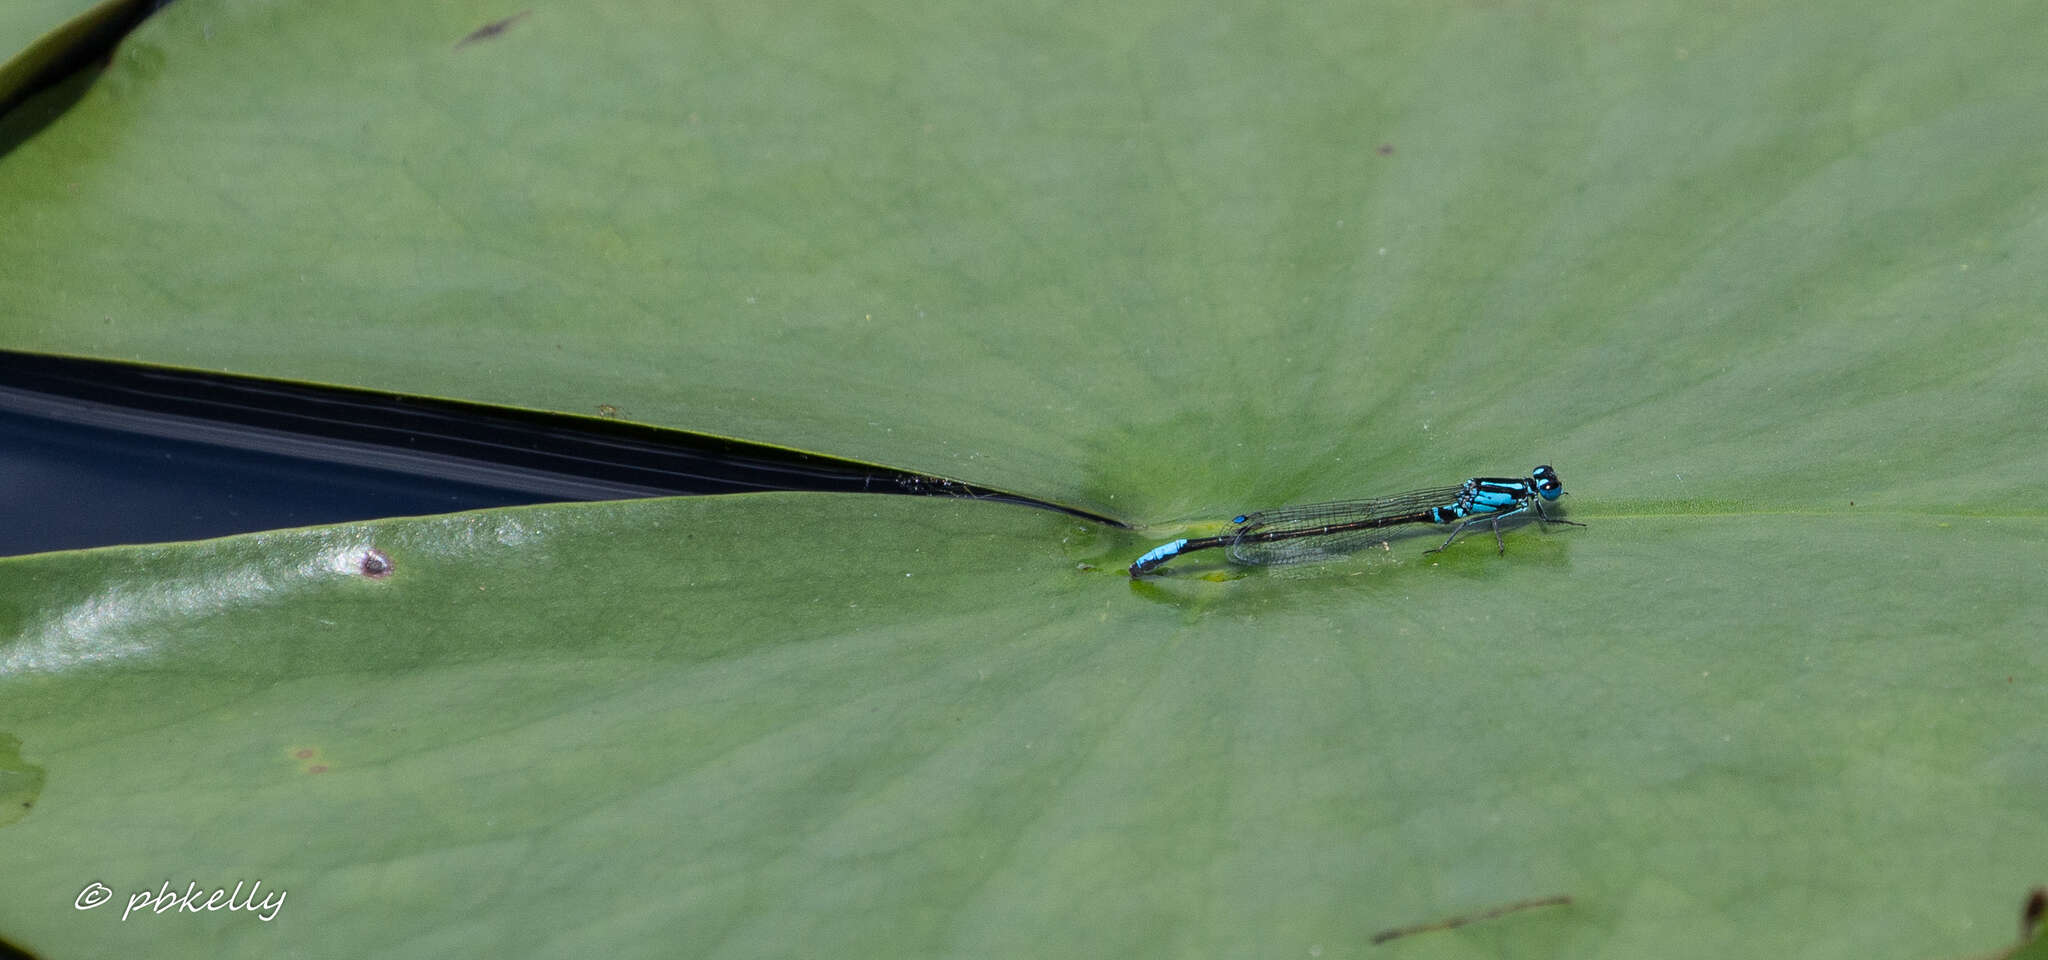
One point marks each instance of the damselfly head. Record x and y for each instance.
(1547, 482)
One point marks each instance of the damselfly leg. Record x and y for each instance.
(1494, 518)
(1547, 518)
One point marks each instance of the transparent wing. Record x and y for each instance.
(1294, 534)
(1307, 548)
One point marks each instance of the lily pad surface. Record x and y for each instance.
(1760, 281)
(604, 728)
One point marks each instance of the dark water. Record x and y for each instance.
(95, 453)
(66, 485)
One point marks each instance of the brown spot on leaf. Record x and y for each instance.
(376, 564)
(491, 29)
(1452, 923)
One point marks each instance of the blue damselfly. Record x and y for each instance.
(1317, 530)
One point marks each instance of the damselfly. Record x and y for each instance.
(1313, 531)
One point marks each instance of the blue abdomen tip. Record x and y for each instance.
(1162, 552)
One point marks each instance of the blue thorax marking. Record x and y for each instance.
(1491, 500)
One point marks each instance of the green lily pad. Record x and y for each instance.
(21, 782)
(1170, 263)
(602, 729)
(1760, 283)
